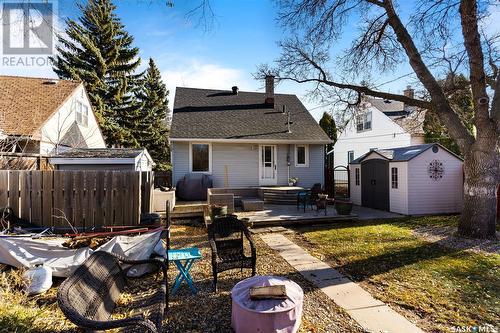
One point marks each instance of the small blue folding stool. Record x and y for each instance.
(182, 258)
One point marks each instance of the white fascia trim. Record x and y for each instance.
(82, 160)
(261, 141)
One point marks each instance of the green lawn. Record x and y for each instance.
(442, 286)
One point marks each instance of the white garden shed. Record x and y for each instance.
(414, 180)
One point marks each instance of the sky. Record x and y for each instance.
(244, 35)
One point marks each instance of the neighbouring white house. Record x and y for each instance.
(379, 124)
(41, 117)
(103, 159)
(415, 180)
(245, 139)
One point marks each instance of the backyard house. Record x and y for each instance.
(379, 124)
(414, 180)
(246, 139)
(41, 116)
(131, 159)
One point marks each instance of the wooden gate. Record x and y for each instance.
(86, 199)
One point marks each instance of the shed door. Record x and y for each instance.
(375, 184)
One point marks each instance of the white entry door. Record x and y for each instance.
(268, 174)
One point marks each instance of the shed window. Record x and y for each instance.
(301, 155)
(350, 156)
(200, 157)
(364, 122)
(394, 177)
(82, 114)
(356, 176)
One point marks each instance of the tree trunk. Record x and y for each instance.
(478, 219)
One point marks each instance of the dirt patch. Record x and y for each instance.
(445, 236)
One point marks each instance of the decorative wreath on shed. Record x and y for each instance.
(435, 170)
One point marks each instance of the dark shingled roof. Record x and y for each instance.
(401, 154)
(100, 153)
(219, 114)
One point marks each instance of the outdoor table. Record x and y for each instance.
(183, 260)
(270, 315)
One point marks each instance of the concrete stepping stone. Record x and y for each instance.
(371, 314)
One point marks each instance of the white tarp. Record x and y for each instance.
(24, 252)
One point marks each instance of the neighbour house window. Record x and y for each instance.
(350, 156)
(394, 177)
(82, 114)
(301, 155)
(356, 176)
(364, 122)
(200, 157)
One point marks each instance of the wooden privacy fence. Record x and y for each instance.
(86, 199)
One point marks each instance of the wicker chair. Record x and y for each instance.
(226, 236)
(88, 297)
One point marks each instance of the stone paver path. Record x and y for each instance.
(373, 315)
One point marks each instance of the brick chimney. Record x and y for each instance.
(409, 92)
(270, 89)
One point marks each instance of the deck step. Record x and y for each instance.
(280, 198)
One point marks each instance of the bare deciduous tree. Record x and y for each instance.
(446, 35)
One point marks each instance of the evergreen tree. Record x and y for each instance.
(151, 131)
(328, 125)
(98, 51)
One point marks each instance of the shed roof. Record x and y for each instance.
(401, 154)
(220, 114)
(101, 153)
(26, 103)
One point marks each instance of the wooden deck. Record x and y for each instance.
(287, 215)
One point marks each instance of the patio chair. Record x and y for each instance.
(309, 197)
(226, 236)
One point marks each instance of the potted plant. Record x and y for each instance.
(217, 210)
(292, 181)
(343, 206)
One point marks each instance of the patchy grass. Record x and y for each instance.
(438, 286)
(20, 313)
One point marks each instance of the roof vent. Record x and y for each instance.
(387, 101)
(51, 82)
(283, 109)
(235, 90)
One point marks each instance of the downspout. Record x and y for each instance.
(288, 164)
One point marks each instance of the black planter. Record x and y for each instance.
(343, 207)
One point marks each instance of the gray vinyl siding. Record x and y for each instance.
(316, 170)
(180, 160)
(237, 165)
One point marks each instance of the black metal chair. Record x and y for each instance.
(309, 197)
(226, 236)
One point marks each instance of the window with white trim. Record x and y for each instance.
(364, 122)
(356, 176)
(82, 114)
(301, 155)
(350, 156)
(394, 177)
(200, 157)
